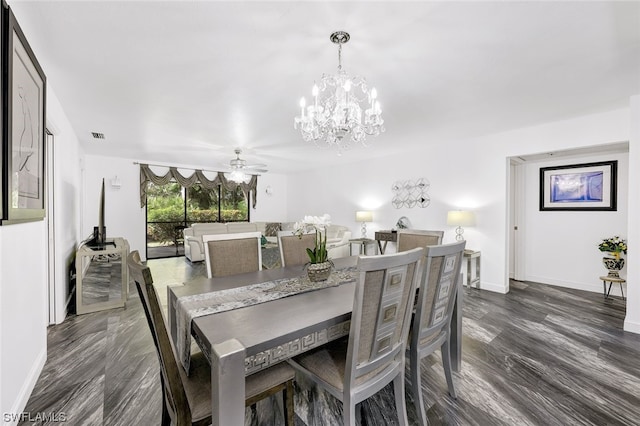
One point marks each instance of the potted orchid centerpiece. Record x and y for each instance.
(319, 266)
(615, 246)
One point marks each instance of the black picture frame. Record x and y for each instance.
(3, 13)
(24, 127)
(579, 187)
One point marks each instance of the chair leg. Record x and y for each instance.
(401, 403)
(416, 387)
(166, 419)
(445, 350)
(287, 394)
(349, 413)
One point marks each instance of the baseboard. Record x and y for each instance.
(496, 288)
(27, 388)
(593, 287)
(631, 327)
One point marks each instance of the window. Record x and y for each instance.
(171, 208)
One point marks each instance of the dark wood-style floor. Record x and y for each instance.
(540, 355)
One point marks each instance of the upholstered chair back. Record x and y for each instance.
(438, 289)
(293, 248)
(230, 254)
(381, 314)
(411, 238)
(431, 329)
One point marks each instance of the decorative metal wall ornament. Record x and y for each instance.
(409, 193)
(343, 109)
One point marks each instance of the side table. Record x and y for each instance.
(362, 244)
(385, 236)
(472, 259)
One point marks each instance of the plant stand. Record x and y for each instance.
(611, 280)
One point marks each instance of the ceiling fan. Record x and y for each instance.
(240, 171)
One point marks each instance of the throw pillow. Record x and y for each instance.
(271, 229)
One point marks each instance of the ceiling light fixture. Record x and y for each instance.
(238, 176)
(239, 168)
(343, 109)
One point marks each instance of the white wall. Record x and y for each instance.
(123, 215)
(125, 218)
(66, 200)
(632, 321)
(23, 271)
(561, 246)
(472, 178)
(24, 314)
(271, 208)
(469, 174)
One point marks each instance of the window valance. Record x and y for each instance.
(198, 177)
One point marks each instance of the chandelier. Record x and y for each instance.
(343, 109)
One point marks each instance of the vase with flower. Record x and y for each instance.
(319, 266)
(614, 247)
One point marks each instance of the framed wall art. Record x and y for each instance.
(23, 174)
(588, 186)
(3, 12)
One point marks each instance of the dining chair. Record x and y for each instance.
(353, 369)
(186, 399)
(293, 248)
(230, 254)
(431, 325)
(408, 239)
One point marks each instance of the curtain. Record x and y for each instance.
(198, 177)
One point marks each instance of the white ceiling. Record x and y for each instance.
(186, 82)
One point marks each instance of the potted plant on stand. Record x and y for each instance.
(319, 266)
(615, 247)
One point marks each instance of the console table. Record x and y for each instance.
(102, 277)
(385, 236)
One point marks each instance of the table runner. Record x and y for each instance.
(197, 305)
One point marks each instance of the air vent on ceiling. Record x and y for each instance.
(97, 135)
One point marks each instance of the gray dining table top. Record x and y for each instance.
(266, 325)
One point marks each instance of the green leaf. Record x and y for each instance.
(312, 255)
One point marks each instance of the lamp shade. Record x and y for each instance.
(364, 216)
(461, 218)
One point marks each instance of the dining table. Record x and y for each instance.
(241, 341)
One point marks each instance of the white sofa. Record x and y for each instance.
(337, 236)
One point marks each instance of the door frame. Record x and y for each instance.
(50, 213)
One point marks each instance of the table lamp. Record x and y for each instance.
(364, 217)
(460, 218)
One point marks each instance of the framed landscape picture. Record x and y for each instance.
(588, 186)
(23, 199)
